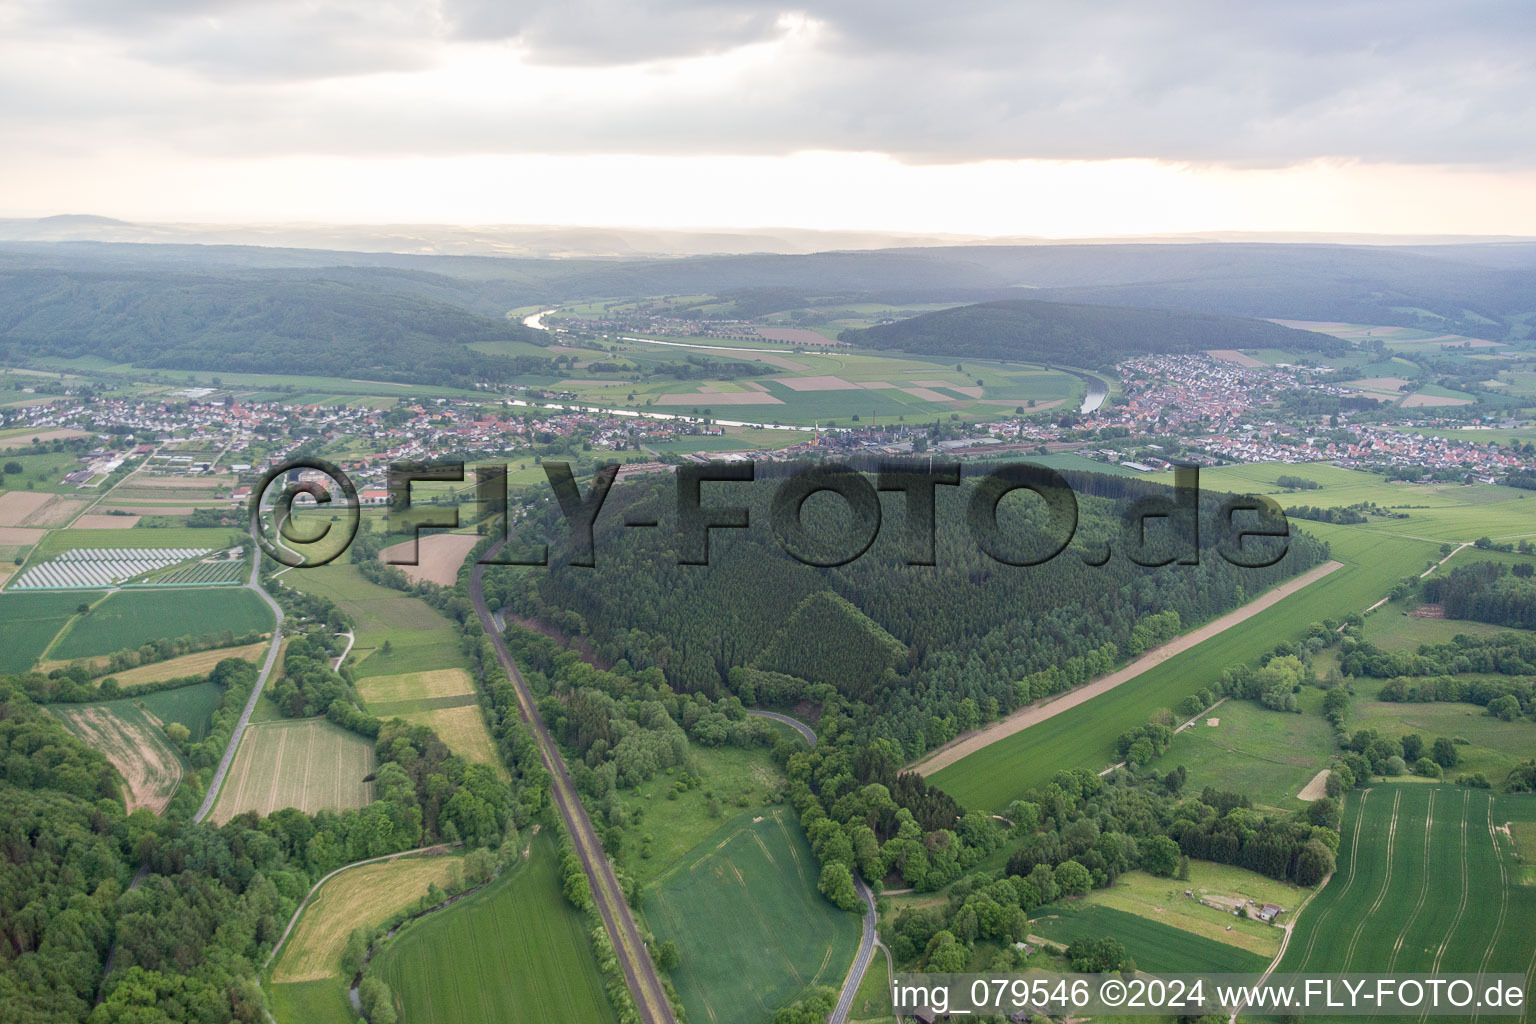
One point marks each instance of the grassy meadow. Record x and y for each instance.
(1493, 746)
(677, 821)
(1156, 947)
(1269, 755)
(442, 699)
(753, 932)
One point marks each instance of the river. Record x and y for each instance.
(1098, 391)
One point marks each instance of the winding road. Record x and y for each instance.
(256, 690)
(629, 950)
(870, 938)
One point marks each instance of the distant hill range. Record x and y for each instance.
(405, 316)
(276, 324)
(1095, 337)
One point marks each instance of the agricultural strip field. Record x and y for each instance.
(310, 764)
(130, 618)
(1156, 947)
(514, 953)
(212, 539)
(133, 741)
(1268, 755)
(31, 623)
(1427, 881)
(199, 664)
(359, 898)
(752, 929)
(1083, 737)
(443, 700)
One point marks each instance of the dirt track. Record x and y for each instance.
(1033, 714)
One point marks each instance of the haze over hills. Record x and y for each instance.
(618, 241)
(1482, 290)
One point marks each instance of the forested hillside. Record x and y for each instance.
(1095, 337)
(973, 637)
(1479, 290)
(280, 324)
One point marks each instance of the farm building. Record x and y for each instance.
(1268, 912)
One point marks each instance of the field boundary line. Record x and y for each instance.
(1034, 713)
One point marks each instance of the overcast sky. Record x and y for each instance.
(993, 117)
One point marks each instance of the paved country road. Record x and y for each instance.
(633, 958)
(260, 685)
(867, 943)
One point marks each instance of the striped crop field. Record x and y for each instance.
(310, 764)
(1428, 880)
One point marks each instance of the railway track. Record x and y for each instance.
(634, 960)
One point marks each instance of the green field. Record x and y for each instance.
(1163, 900)
(1392, 629)
(310, 1002)
(212, 538)
(1494, 746)
(730, 776)
(872, 1002)
(1426, 882)
(192, 706)
(753, 932)
(514, 953)
(1440, 512)
(409, 624)
(307, 763)
(44, 471)
(1156, 947)
(129, 618)
(1083, 737)
(1268, 755)
(31, 623)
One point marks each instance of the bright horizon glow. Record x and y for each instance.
(816, 190)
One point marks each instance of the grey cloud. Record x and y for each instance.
(1409, 81)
